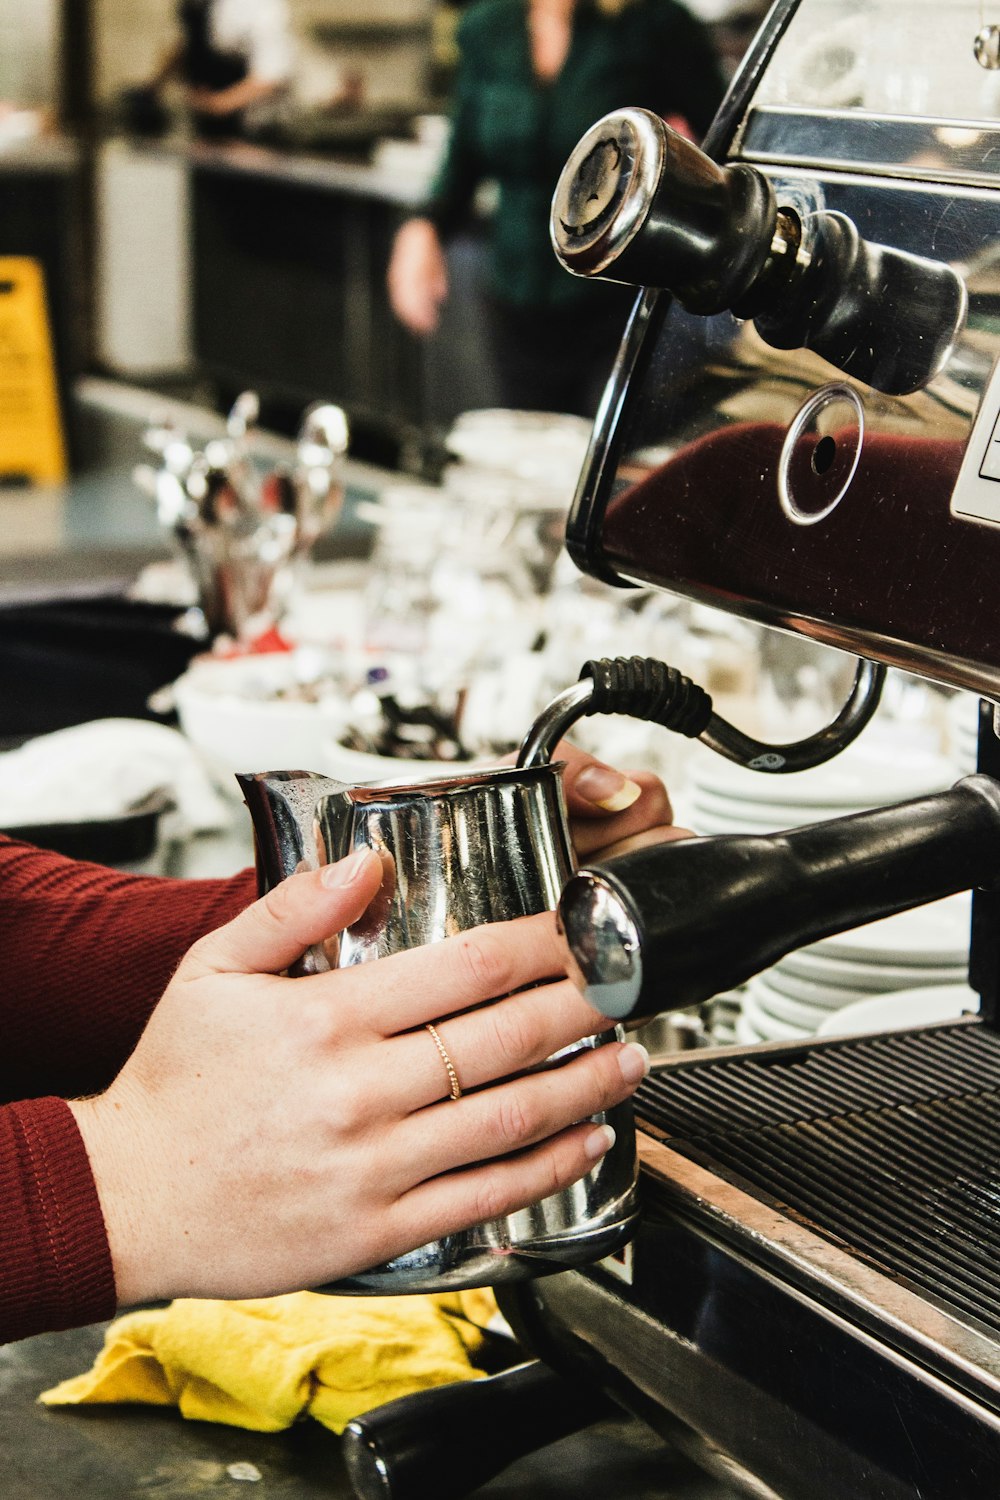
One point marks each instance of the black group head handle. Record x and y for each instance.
(670, 925)
(639, 203)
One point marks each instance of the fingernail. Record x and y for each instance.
(599, 1142)
(633, 1060)
(345, 871)
(606, 788)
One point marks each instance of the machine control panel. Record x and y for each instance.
(977, 490)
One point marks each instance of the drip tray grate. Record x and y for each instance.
(888, 1145)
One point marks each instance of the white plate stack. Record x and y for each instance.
(725, 798)
(963, 731)
(913, 965)
(924, 948)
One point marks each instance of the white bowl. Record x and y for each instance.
(357, 768)
(235, 729)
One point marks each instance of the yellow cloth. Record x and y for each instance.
(263, 1364)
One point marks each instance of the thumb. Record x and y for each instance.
(276, 930)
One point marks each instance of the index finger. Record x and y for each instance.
(439, 979)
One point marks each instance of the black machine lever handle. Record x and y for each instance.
(447, 1441)
(670, 925)
(639, 203)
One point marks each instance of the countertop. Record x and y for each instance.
(124, 1453)
(345, 174)
(97, 531)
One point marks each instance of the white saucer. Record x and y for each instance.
(937, 933)
(793, 1012)
(746, 1034)
(759, 812)
(902, 1009)
(791, 814)
(858, 778)
(710, 826)
(872, 973)
(767, 1026)
(817, 995)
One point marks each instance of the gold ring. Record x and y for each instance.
(449, 1066)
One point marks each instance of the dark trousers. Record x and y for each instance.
(558, 359)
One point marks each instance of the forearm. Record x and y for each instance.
(55, 1265)
(169, 68)
(237, 97)
(87, 953)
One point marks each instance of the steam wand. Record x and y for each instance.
(647, 689)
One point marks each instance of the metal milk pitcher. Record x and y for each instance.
(485, 845)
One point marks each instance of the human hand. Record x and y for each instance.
(611, 810)
(205, 101)
(417, 278)
(272, 1133)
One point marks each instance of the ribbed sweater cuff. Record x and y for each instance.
(55, 1264)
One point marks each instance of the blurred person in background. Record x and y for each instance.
(234, 59)
(532, 76)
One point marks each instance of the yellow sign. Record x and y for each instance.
(32, 448)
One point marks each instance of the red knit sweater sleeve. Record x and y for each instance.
(86, 954)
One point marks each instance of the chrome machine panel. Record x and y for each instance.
(766, 482)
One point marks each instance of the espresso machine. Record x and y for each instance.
(803, 429)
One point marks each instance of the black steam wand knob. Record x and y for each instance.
(670, 925)
(638, 203)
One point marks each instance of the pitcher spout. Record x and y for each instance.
(290, 835)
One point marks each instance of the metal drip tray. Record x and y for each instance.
(886, 1146)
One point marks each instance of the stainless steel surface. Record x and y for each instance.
(242, 529)
(903, 61)
(553, 722)
(845, 402)
(812, 1286)
(456, 852)
(114, 1452)
(940, 1066)
(603, 946)
(718, 380)
(987, 48)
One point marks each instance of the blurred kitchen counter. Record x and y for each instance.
(97, 531)
(273, 263)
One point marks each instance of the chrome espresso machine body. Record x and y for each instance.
(805, 431)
